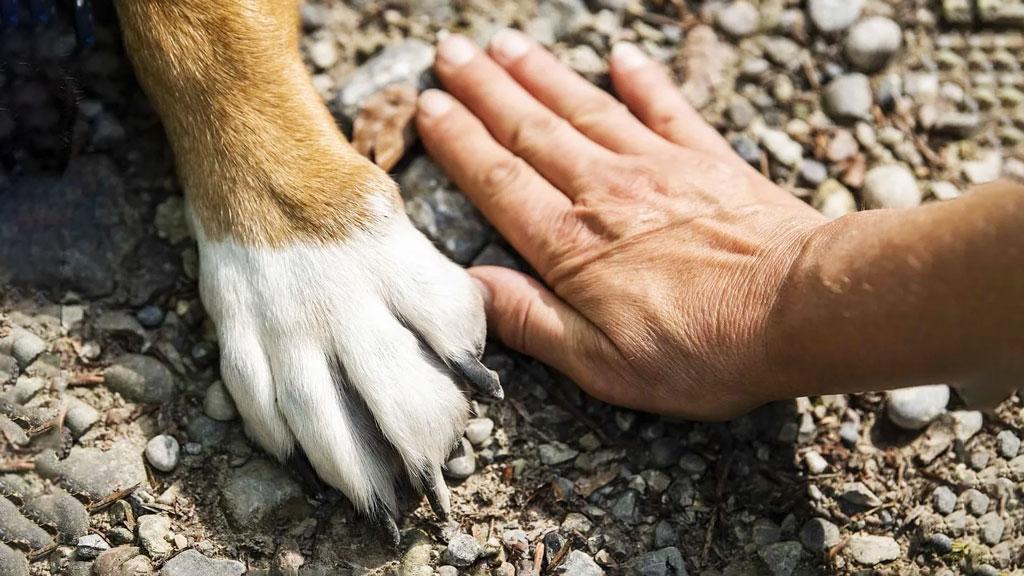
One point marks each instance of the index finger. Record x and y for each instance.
(528, 211)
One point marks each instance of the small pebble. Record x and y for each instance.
(739, 19)
(849, 433)
(90, 546)
(162, 452)
(813, 172)
(27, 347)
(992, 527)
(833, 200)
(978, 459)
(848, 97)
(890, 186)
(869, 550)
(462, 462)
(747, 149)
(79, 416)
(944, 500)
(986, 570)
(150, 316)
(975, 501)
(941, 543)
(625, 507)
(478, 430)
(154, 530)
(815, 462)
(872, 42)
(944, 190)
(665, 534)
(218, 403)
(833, 15)
(782, 148)
(914, 408)
(556, 453)
(1009, 444)
(860, 495)
(693, 464)
(324, 53)
(818, 535)
(462, 551)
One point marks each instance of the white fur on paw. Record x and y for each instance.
(343, 348)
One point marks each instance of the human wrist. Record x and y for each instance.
(808, 331)
(889, 298)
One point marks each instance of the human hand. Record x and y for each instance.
(663, 250)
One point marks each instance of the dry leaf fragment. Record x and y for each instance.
(380, 131)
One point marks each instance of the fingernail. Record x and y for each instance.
(626, 56)
(509, 44)
(485, 292)
(434, 103)
(456, 50)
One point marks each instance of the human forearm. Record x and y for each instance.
(883, 299)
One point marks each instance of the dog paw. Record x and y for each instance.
(352, 351)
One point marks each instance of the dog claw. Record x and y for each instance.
(437, 493)
(480, 376)
(390, 528)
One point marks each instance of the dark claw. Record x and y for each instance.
(437, 493)
(390, 528)
(485, 379)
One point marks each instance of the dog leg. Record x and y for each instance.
(343, 331)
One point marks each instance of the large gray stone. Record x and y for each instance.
(14, 527)
(442, 212)
(60, 510)
(93, 472)
(140, 379)
(259, 491)
(12, 562)
(193, 563)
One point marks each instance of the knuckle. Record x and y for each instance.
(504, 174)
(529, 135)
(595, 113)
(520, 324)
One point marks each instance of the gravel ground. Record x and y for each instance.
(122, 452)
